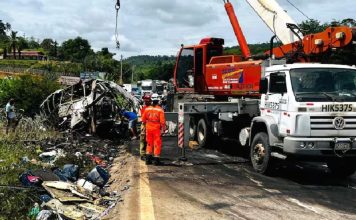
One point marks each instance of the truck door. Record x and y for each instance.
(276, 98)
(184, 72)
(199, 65)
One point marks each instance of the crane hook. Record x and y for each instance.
(117, 8)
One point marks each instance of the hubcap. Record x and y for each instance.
(201, 135)
(259, 153)
(191, 131)
(191, 128)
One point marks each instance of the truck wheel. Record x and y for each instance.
(202, 133)
(342, 167)
(261, 154)
(192, 129)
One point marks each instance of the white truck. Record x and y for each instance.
(303, 110)
(148, 86)
(306, 112)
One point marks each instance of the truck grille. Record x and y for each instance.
(326, 122)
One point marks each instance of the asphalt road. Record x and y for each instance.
(215, 185)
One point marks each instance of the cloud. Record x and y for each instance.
(152, 26)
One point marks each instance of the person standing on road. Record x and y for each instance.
(143, 142)
(155, 122)
(10, 115)
(132, 117)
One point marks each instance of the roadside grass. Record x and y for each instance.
(17, 149)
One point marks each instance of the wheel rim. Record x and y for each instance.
(191, 132)
(201, 134)
(191, 129)
(259, 152)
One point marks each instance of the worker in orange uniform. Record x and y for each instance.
(155, 122)
(143, 143)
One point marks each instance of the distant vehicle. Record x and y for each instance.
(135, 91)
(148, 86)
(159, 87)
(128, 87)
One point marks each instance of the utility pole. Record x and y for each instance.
(132, 73)
(121, 71)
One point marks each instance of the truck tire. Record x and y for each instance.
(342, 167)
(260, 154)
(202, 133)
(192, 129)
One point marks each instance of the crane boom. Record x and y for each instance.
(276, 19)
(237, 29)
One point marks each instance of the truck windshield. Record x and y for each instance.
(159, 89)
(146, 88)
(324, 84)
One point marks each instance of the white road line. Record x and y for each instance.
(259, 183)
(146, 203)
(301, 204)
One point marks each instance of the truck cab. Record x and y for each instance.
(307, 111)
(147, 86)
(203, 69)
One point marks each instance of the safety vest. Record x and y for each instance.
(154, 118)
(142, 110)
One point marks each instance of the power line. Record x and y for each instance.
(298, 9)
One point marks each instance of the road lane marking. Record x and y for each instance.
(146, 203)
(301, 204)
(259, 183)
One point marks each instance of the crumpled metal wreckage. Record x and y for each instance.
(88, 103)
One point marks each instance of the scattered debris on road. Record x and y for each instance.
(75, 177)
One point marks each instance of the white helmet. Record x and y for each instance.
(155, 97)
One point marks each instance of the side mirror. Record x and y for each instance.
(263, 86)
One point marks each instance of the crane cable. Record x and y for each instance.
(117, 8)
(298, 9)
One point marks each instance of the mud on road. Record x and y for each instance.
(213, 185)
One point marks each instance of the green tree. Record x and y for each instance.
(312, 26)
(13, 43)
(4, 27)
(33, 43)
(349, 22)
(28, 91)
(47, 44)
(76, 49)
(21, 45)
(4, 39)
(54, 51)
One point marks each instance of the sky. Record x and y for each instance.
(153, 27)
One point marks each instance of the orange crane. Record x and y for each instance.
(296, 47)
(203, 69)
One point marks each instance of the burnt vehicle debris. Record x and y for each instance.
(91, 106)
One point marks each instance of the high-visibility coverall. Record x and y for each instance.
(143, 142)
(155, 121)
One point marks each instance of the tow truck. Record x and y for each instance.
(281, 107)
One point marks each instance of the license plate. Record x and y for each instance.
(343, 146)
